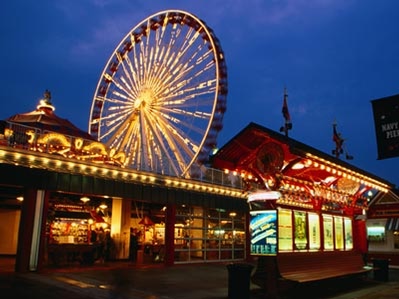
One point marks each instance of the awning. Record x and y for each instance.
(392, 224)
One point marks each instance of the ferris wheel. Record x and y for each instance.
(162, 95)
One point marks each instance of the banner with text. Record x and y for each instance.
(386, 120)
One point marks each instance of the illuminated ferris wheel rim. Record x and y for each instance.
(153, 22)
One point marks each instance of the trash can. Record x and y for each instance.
(381, 269)
(239, 280)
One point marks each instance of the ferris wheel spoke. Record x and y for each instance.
(115, 82)
(199, 131)
(174, 161)
(124, 134)
(154, 145)
(187, 81)
(131, 84)
(177, 144)
(116, 123)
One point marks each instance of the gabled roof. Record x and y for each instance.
(385, 205)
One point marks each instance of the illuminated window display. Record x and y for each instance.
(328, 232)
(302, 230)
(300, 240)
(339, 233)
(348, 234)
(314, 231)
(263, 231)
(284, 230)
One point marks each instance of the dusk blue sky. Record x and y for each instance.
(334, 57)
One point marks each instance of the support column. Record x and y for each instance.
(120, 226)
(170, 234)
(30, 231)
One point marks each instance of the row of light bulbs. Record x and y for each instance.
(48, 163)
(346, 173)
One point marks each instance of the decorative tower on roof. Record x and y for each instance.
(45, 103)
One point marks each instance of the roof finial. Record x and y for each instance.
(47, 95)
(45, 103)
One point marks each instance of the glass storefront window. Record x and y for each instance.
(208, 234)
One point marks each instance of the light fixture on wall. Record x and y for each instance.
(20, 198)
(85, 199)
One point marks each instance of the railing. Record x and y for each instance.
(79, 149)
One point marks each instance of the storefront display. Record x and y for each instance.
(208, 234)
(74, 234)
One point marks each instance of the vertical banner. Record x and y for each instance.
(386, 120)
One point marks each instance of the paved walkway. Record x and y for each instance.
(198, 281)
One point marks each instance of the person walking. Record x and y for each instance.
(101, 244)
(108, 246)
(134, 245)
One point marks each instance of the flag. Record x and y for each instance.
(338, 140)
(288, 125)
(285, 111)
(386, 121)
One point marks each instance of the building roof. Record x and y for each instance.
(244, 149)
(44, 118)
(269, 160)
